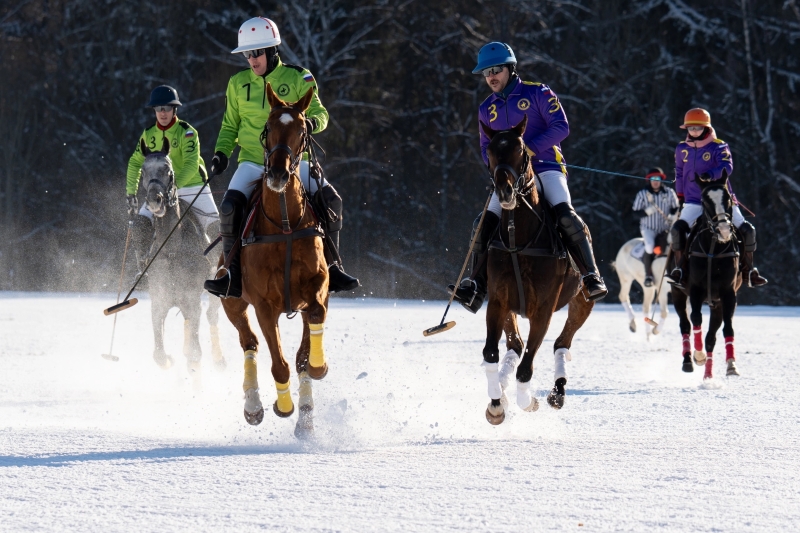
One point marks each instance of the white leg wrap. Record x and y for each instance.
(523, 394)
(507, 367)
(561, 356)
(306, 398)
(493, 378)
(629, 310)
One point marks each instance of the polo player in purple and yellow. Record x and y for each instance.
(705, 157)
(510, 101)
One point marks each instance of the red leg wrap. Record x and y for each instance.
(687, 346)
(709, 365)
(698, 337)
(729, 353)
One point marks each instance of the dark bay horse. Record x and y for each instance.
(175, 279)
(283, 239)
(714, 278)
(529, 273)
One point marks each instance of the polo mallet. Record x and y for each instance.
(110, 355)
(658, 289)
(133, 301)
(442, 325)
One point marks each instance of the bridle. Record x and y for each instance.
(294, 164)
(172, 191)
(522, 182)
(713, 221)
(294, 159)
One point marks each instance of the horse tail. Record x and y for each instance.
(613, 265)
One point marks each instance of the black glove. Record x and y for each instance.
(133, 204)
(219, 163)
(311, 125)
(705, 177)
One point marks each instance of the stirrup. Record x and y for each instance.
(648, 281)
(213, 285)
(750, 283)
(468, 294)
(599, 291)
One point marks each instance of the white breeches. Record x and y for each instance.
(692, 212)
(649, 239)
(248, 174)
(204, 208)
(555, 190)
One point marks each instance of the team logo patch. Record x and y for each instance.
(283, 90)
(524, 104)
(706, 156)
(309, 78)
(189, 133)
(174, 143)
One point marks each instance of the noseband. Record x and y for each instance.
(172, 191)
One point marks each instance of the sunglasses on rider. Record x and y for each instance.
(254, 53)
(163, 108)
(492, 71)
(695, 128)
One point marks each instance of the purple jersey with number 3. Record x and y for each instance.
(547, 123)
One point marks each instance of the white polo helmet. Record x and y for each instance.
(258, 32)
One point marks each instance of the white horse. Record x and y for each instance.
(629, 269)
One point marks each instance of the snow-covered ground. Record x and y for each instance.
(402, 443)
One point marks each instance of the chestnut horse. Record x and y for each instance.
(714, 278)
(284, 239)
(529, 273)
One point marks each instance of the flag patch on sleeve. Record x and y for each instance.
(189, 133)
(308, 77)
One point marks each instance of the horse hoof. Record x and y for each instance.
(193, 365)
(632, 326)
(556, 396)
(495, 418)
(220, 364)
(699, 358)
(163, 360)
(732, 370)
(534, 406)
(254, 419)
(279, 412)
(304, 429)
(687, 363)
(317, 373)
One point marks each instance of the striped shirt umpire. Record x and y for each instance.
(664, 199)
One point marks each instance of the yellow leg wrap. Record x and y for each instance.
(285, 404)
(250, 371)
(317, 356)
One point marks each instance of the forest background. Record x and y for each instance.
(402, 144)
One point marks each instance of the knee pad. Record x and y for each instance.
(329, 204)
(569, 223)
(231, 211)
(490, 222)
(748, 232)
(678, 233)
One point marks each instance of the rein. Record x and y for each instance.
(712, 224)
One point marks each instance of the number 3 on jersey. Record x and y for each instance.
(493, 112)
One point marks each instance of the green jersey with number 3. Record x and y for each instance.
(247, 108)
(184, 151)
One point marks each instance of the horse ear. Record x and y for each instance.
(489, 132)
(143, 147)
(519, 129)
(724, 178)
(305, 101)
(165, 146)
(272, 98)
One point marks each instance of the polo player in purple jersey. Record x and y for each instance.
(510, 101)
(702, 156)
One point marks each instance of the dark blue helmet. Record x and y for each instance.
(163, 95)
(494, 54)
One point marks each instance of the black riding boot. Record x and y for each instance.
(472, 291)
(231, 214)
(338, 279)
(575, 235)
(679, 232)
(142, 240)
(647, 259)
(750, 274)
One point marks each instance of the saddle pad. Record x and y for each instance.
(638, 251)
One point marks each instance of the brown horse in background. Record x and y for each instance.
(282, 220)
(529, 273)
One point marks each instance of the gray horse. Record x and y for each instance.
(176, 276)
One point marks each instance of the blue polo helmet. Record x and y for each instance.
(493, 54)
(163, 95)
